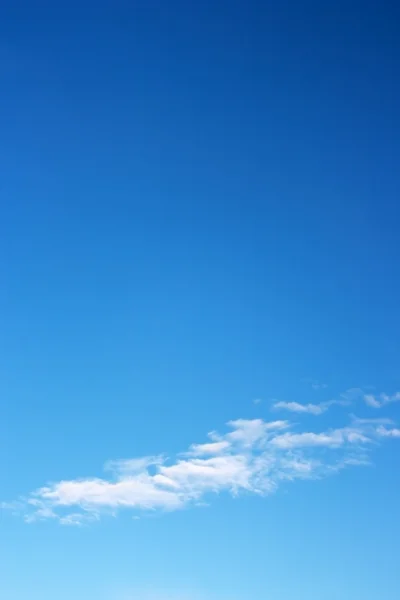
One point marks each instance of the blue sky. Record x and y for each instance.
(200, 383)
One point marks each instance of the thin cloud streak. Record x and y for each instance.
(296, 407)
(310, 408)
(346, 398)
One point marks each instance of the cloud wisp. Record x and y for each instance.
(315, 384)
(345, 399)
(252, 456)
(382, 400)
(310, 408)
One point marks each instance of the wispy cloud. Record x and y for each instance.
(251, 456)
(373, 421)
(345, 398)
(315, 384)
(384, 432)
(296, 407)
(132, 466)
(335, 438)
(310, 408)
(378, 401)
(352, 394)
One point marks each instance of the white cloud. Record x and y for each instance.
(381, 400)
(333, 439)
(136, 491)
(210, 448)
(312, 409)
(372, 401)
(384, 432)
(133, 465)
(252, 456)
(197, 476)
(248, 432)
(78, 519)
(348, 397)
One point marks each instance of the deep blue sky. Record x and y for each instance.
(199, 207)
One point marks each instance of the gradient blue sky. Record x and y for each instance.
(199, 221)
